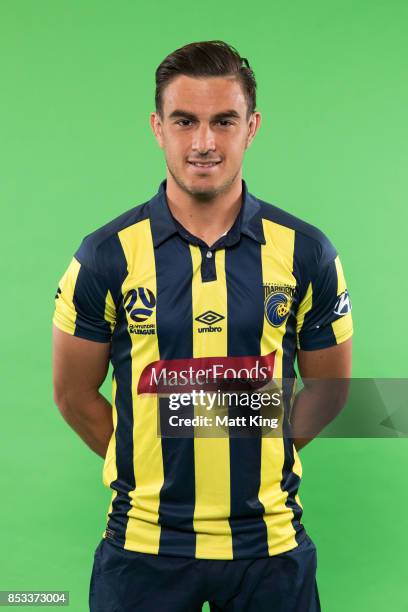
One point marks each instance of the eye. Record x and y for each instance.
(184, 122)
(225, 122)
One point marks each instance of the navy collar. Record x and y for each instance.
(248, 221)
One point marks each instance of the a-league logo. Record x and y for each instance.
(132, 299)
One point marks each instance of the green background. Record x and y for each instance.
(77, 89)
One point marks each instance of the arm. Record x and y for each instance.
(84, 319)
(324, 337)
(322, 397)
(79, 369)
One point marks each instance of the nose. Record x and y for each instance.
(203, 139)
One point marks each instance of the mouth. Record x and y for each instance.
(209, 164)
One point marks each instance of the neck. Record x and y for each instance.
(207, 220)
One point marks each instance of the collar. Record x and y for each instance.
(248, 222)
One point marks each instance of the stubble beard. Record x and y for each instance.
(204, 194)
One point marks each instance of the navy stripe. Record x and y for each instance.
(208, 269)
(175, 337)
(89, 301)
(317, 331)
(245, 323)
(122, 371)
(290, 481)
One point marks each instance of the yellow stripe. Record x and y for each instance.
(277, 267)
(343, 327)
(211, 455)
(341, 281)
(65, 314)
(110, 471)
(304, 307)
(110, 311)
(143, 530)
(297, 469)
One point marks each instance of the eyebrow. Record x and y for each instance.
(231, 113)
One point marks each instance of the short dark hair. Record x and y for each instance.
(206, 59)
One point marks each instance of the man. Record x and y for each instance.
(202, 279)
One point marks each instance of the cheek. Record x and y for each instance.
(176, 148)
(235, 149)
(234, 143)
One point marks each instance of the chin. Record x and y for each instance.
(204, 194)
(202, 188)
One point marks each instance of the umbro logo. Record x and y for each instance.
(209, 318)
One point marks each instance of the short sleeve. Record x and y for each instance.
(83, 304)
(324, 314)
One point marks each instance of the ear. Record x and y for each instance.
(156, 125)
(253, 126)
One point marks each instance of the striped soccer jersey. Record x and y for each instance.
(170, 305)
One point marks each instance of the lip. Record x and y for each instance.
(207, 165)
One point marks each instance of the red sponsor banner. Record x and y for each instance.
(183, 375)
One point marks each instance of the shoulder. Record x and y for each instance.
(98, 248)
(312, 247)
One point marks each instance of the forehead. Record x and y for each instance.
(204, 95)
